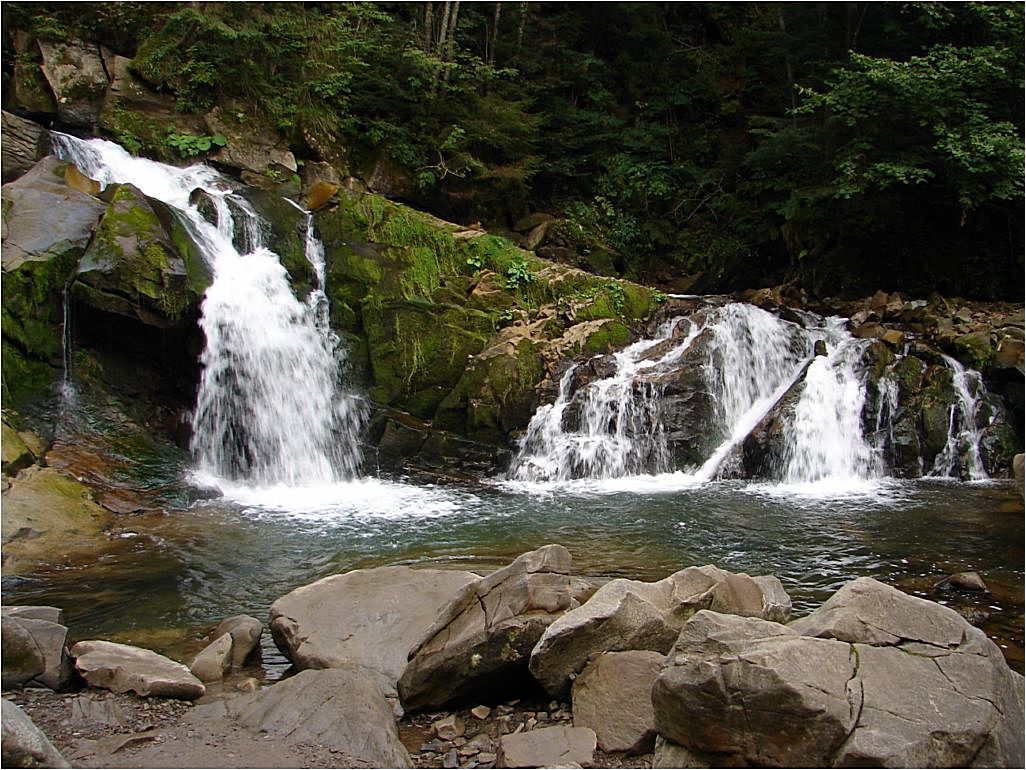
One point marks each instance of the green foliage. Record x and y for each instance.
(518, 274)
(190, 145)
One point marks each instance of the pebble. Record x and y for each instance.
(481, 712)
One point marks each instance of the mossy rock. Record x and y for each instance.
(285, 235)
(975, 350)
(132, 267)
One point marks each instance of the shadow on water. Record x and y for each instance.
(168, 578)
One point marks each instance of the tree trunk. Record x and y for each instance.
(429, 23)
(450, 45)
(520, 29)
(787, 61)
(443, 30)
(490, 48)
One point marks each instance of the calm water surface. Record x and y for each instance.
(170, 576)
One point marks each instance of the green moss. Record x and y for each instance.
(612, 336)
(27, 382)
(32, 302)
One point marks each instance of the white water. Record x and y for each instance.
(271, 409)
(963, 431)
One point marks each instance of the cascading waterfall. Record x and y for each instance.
(963, 425)
(271, 408)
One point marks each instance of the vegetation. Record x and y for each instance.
(845, 146)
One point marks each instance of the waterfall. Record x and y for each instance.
(963, 425)
(271, 407)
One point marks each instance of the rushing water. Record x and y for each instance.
(277, 433)
(271, 408)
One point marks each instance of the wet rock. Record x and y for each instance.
(613, 696)
(123, 668)
(820, 691)
(966, 581)
(634, 615)
(482, 639)
(245, 632)
(548, 747)
(77, 78)
(32, 634)
(16, 455)
(24, 143)
(214, 661)
(24, 744)
(254, 149)
(368, 617)
(319, 194)
(342, 709)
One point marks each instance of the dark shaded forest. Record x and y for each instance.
(844, 147)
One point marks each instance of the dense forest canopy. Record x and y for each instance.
(846, 146)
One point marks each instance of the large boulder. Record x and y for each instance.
(24, 143)
(123, 668)
(613, 696)
(483, 638)
(77, 77)
(34, 638)
(340, 709)
(24, 744)
(132, 267)
(371, 618)
(824, 691)
(634, 615)
(548, 747)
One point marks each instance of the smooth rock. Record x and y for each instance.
(369, 617)
(245, 632)
(341, 709)
(123, 668)
(481, 712)
(214, 661)
(22, 659)
(967, 581)
(482, 640)
(24, 143)
(24, 744)
(634, 615)
(613, 696)
(48, 639)
(548, 747)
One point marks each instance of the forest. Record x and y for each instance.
(842, 147)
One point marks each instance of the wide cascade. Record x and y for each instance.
(742, 362)
(271, 407)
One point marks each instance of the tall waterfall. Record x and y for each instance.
(746, 360)
(271, 407)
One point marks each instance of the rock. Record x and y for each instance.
(672, 755)
(481, 712)
(341, 709)
(531, 221)
(967, 581)
(24, 143)
(133, 268)
(448, 727)
(1010, 354)
(369, 617)
(821, 691)
(548, 747)
(893, 337)
(319, 194)
(77, 78)
(31, 636)
(16, 455)
(1019, 470)
(613, 696)
(245, 632)
(482, 639)
(123, 668)
(535, 237)
(633, 615)
(252, 148)
(24, 744)
(214, 661)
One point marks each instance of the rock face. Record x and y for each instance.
(369, 617)
(77, 78)
(483, 637)
(633, 615)
(24, 744)
(342, 709)
(35, 647)
(613, 696)
(245, 632)
(123, 668)
(548, 747)
(823, 691)
(24, 142)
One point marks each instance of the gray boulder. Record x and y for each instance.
(245, 632)
(24, 744)
(483, 638)
(634, 615)
(77, 78)
(214, 661)
(24, 143)
(35, 648)
(371, 618)
(873, 678)
(123, 668)
(548, 747)
(340, 708)
(613, 696)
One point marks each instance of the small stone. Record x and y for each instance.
(531, 723)
(451, 760)
(485, 757)
(481, 712)
(967, 581)
(448, 727)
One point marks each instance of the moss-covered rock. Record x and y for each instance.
(133, 268)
